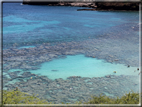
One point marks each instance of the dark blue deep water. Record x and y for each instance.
(48, 40)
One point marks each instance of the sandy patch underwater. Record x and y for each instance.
(79, 65)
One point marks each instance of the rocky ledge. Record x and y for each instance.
(117, 6)
(92, 5)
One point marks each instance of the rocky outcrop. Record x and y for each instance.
(117, 6)
(74, 88)
(94, 5)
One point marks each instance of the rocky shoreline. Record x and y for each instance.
(93, 5)
(74, 88)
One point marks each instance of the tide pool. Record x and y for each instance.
(79, 65)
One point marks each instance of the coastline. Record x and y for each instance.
(94, 6)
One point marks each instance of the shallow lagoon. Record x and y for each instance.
(79, 65)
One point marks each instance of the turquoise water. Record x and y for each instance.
(26, 47)
(36, 37)
(79, 65)
(41, 25)
(25, 27)
(31, 25)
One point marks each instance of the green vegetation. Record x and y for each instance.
(18, 97)
(129, 98)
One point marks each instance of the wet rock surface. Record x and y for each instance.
(75, 88)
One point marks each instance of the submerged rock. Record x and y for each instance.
(77, 89)
(26, 74)
(108, 76)
(13, 74)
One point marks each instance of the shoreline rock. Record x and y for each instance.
(117, 6)
(109, 6)
(78, 89)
